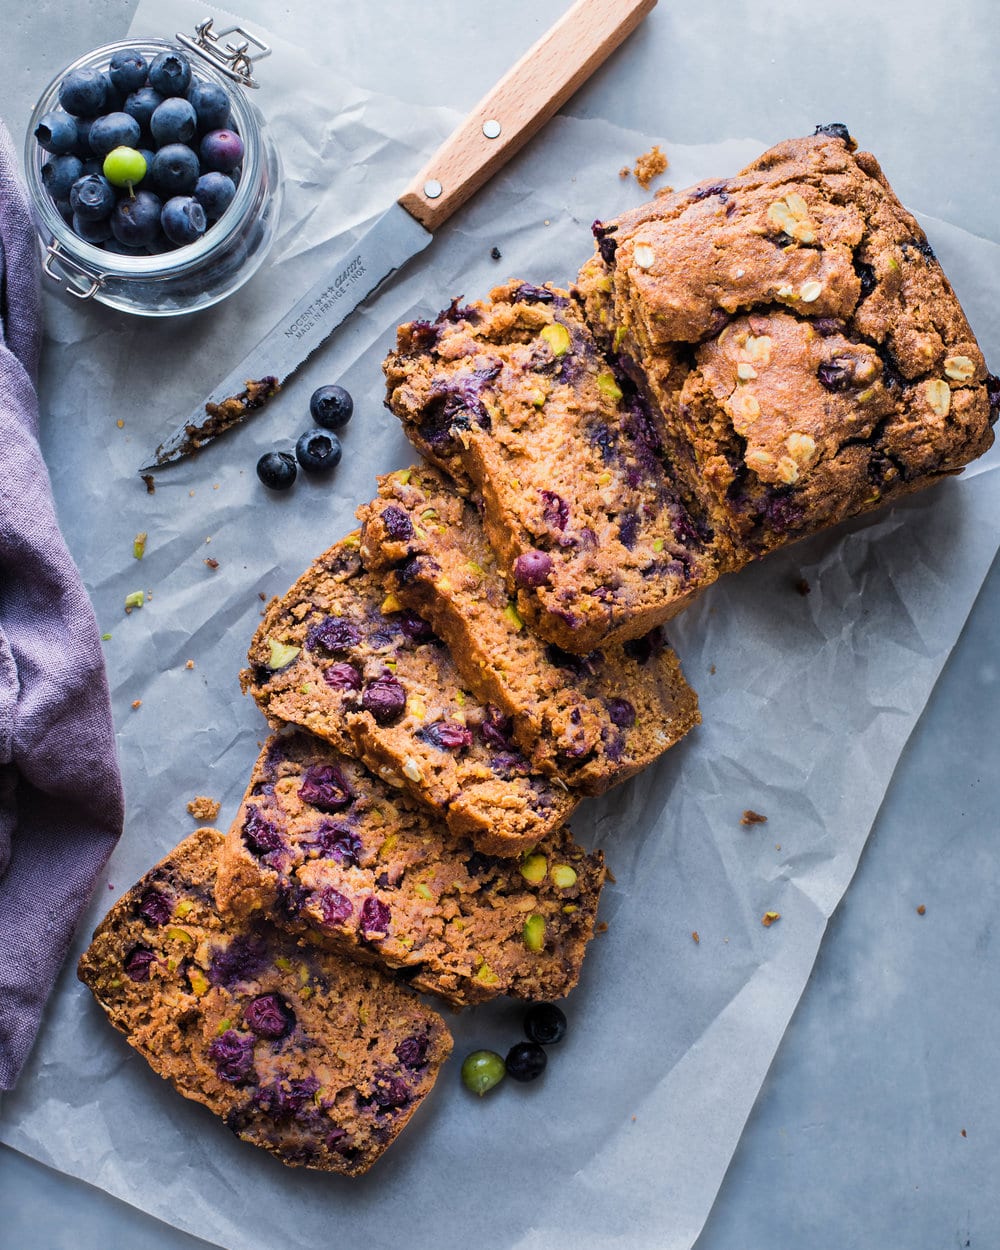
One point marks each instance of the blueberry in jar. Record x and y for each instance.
(57, 133)
(128, 70)
(84, 92)
(173, 121)
(60, 173)
(92, 197)
(183, 220)
(142, 104)
(525, 1061)
(211, 104)
(113, 130)
(318, 451)
(215, 192)
(96, 232)
(170, 74)
(331, 407)
(221, 150)
(135, 221)
(277, 470)
(175, 169)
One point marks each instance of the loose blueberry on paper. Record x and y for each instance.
(318, 450)
(152, 135)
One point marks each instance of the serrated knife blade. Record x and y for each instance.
(500, 124)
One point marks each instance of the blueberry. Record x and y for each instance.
(122, 249)
(324, 786)
(92, 165)
(233, 1055)
(92, 197)
(331, 407)
(113, 130)
(82, 147)
(342, 676)
(482, 1070)
(385, 699)
(318, 451)
(156, 907)
(333, 633)
(276, 469)
(398, 526)
(214, 192)
(412, 1051)
(173, 121)
(544, 1023)
(137, 963)
(221, 150)
(83, 92)
(211, 104)
(525, 1061)
(622, 713)
(128, 70)
(170, 74)
(175, 169)
(269, 1016)
(183, 220)
(533, 568)
(260, 835)
(335, 908)
(57, 133)
(375, 916)
(60, 173)
(142, 104)
(135, 221)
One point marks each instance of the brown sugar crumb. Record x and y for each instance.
(150, 483)
(695, 937)
(212, 563)
(769, 917)
(751, 817)
(189, 664)
(647, 166)
(204, 809)
(262, 596)
(136, 703)
(602, 927)
(964, 1133)
(921, 910)
(803, 587)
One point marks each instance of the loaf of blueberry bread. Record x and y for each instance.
(592, 720)
(827, 364)
(314, 1058)
(339, 657)
(329, 850)
(515, 399)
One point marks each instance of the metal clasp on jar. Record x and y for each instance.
(55, 255)
(235, 60)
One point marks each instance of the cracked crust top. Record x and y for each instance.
(831, 366)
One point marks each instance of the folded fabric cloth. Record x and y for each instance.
(61, 801)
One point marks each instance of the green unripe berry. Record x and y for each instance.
(482, 1070)
(124, 167)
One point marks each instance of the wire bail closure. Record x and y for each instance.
(235, 60)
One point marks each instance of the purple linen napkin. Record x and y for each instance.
(60, 791)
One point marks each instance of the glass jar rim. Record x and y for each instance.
(179, 260)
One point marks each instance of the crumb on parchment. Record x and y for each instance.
(921, 910)
(769, 917)
(647, 166)
(203, 808)
(750, 817)
(695, 936)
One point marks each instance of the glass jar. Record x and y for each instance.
(187, 278)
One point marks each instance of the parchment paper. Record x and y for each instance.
(807, 702)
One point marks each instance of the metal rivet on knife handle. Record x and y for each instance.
(526, 97)
(432, 188)
(491, 129)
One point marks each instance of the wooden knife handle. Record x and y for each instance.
(520, 104)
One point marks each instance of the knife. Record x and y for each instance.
(500, 124)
